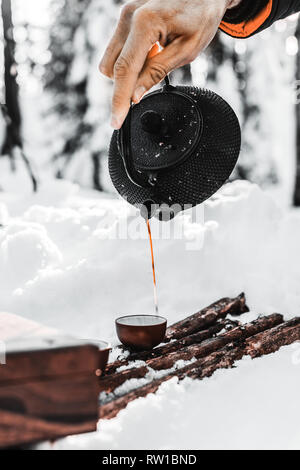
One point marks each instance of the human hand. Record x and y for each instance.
(183, 28)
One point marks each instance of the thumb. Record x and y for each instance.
(156, 68)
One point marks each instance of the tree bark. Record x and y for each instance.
(207, 317)
(270, 341)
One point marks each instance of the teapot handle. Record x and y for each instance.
(167, 86)
(123, 140)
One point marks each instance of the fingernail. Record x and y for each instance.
(138, 94)
(115, 123)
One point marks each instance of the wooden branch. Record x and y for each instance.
(194, 338)
(264, 343)
(270, 341)
(211, 345)
(261, 344)
(207, 317)
(111, 382)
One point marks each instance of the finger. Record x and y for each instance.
(118, 40)
(140, 91)
(130, 63)
(157, 67)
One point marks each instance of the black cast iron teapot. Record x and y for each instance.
(176, 148)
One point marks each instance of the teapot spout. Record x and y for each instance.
(162, 212)
(148, 209)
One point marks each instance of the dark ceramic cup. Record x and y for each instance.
(141, 332)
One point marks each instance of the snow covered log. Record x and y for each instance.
(264, 343)
(172, 346)
(193, 329)
(258, 345)
(206, 347)
(111, 382)
(207, 316)
(270, 341)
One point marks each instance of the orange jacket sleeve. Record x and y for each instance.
(251, 16)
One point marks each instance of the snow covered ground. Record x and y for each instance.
(64, 263)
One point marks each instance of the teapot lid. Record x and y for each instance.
(164, 129)
(159, 133)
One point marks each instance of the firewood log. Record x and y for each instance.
(270, 341)
(173, 346)
(199, 321)
(207, 317)
(111, 382)
(260, 344)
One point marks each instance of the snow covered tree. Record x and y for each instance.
(81, 97)
(255, 77)
(12, 142)
(69, 100)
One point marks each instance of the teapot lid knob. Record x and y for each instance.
(151, 122)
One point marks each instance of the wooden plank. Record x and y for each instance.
(67, 398)
(48, 386)
(17, 429)
(58, 354)
(48, 363)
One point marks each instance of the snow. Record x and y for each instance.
(76, 259)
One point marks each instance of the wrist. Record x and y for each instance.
(233, 4)
(227, 5)
(244, 11)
